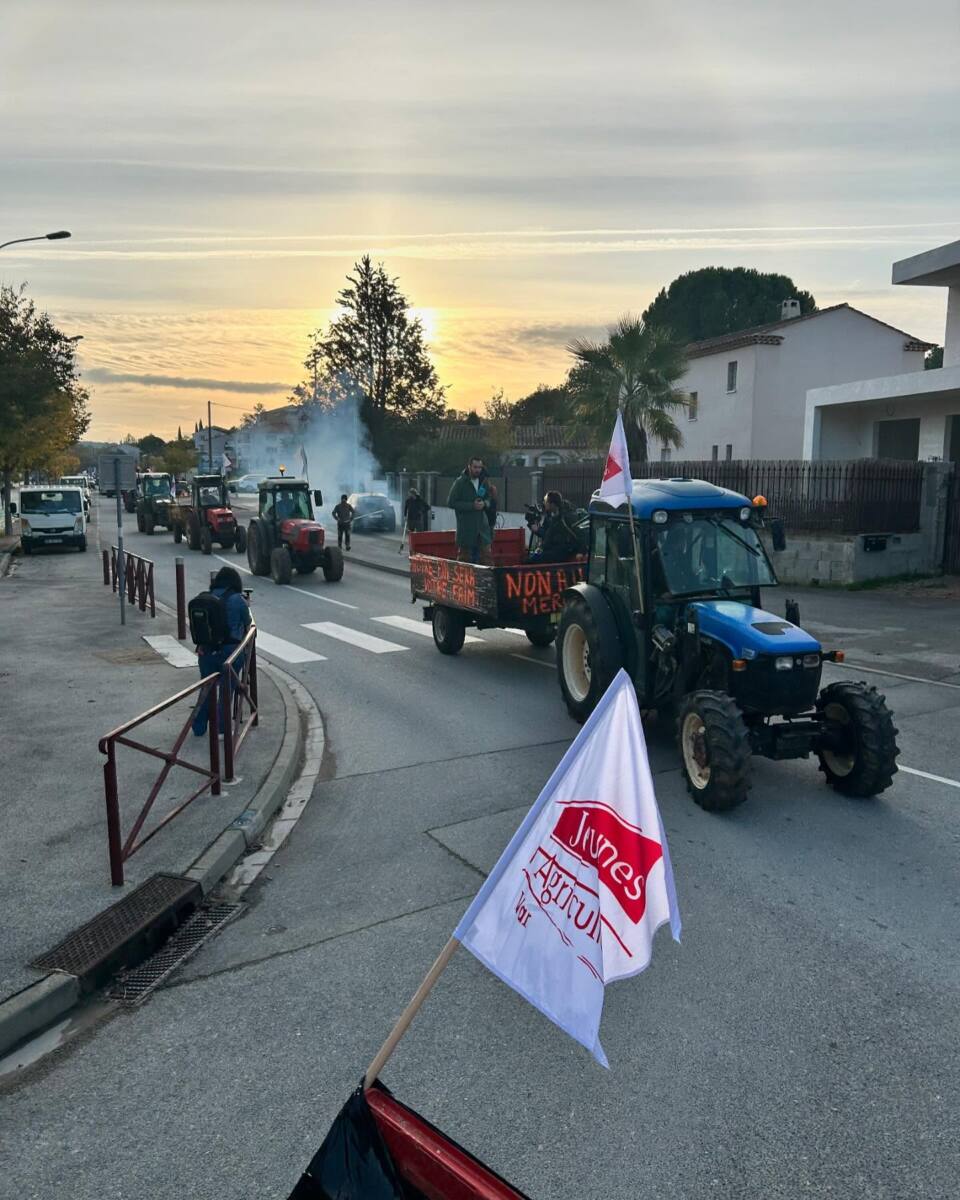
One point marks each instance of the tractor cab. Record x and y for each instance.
(209, 492)
(673, 596)
(285, 536)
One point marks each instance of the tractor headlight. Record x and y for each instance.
(811, 660)
(659, 517)
(784, 662)
(24, 525)
(745, 514)
(78, 525)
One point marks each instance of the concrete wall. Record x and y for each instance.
(764, 418)
(951, 337)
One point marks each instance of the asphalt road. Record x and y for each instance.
(802, 1041)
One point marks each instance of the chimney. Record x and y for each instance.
(789, 309)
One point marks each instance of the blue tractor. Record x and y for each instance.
(673, 597)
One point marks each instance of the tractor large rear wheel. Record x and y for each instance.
(258, 549)
(585, 667)
(714, 750)
(859, 757)
(281, 565)
(332, 564)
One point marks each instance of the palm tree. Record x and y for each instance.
(635, 370)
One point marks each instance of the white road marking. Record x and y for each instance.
(317, 596)
(412, 626)
(176, 653)
(926, 775)
(286, 651)
(354, 637)
(896, 675)
(232, 562)
(537, 661)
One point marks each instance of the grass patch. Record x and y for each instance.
(869, 585)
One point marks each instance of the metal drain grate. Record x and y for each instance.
(133, 987)
(125, 932)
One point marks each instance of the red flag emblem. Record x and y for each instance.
(612, 468)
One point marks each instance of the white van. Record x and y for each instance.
(51, 516)
(83, 483)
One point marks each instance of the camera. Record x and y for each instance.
(533, 515)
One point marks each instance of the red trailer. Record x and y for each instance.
(514, 593)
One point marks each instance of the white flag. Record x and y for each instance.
(576, 897)
(617, 486)
(227, 464)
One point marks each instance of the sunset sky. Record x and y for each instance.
(528, 170)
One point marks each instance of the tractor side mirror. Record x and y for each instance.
(318, 498)
(778, 534)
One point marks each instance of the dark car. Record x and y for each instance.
(373, 512)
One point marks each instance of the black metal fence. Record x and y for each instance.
(856, 496)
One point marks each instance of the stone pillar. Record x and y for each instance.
(933, 512)
(430, 494)
(536, 486)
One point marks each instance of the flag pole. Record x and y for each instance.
(633, 528)
(406, 1017)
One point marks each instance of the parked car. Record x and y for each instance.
(246, 483)
(372, 512)
(51, 515)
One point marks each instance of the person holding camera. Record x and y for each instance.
(470, 498)
(559, 541)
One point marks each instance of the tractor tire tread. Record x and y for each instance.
(877, 738)
(730, 756)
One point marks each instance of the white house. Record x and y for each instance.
(748, 389)
(906, 414)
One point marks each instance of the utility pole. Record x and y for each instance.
(209, 439)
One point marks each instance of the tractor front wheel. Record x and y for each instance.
(148, 524)
(541, 635)
(258, 549)
(714, 750)
(332, 564)
(859, 750)
(240, 541)
(139, 522)
(206, 540)
(449, 629)
(281, 565)
(193, 532)
(585, 667)
(178, 532)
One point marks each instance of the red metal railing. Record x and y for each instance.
(137, 579)
(232, 692)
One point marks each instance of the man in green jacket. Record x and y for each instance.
(469, 498)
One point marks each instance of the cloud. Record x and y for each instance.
(248, 387)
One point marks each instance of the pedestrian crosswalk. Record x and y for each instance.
(322, 634)
(412, 626)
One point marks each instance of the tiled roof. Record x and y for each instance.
(767, 335)
(525, 437)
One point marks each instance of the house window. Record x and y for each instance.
(549, 458)
(729, 453)
(714, 453)
(693, 404)
(732, 376)
(664, 454)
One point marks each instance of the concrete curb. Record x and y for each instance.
(379, 566)
(36, 1006)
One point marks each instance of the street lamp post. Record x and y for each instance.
(57, 236)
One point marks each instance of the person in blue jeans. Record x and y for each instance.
(228, 585)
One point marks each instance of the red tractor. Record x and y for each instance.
(208, 518)
(285, 536)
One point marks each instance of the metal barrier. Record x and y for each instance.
(229, 692)
(137, 579)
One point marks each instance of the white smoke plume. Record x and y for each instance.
(328, 444)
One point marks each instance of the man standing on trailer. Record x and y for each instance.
(469, 498)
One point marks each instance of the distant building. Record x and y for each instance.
(905, 414)
(273, 439)
(223, 442)
(748, 390)
(540, 445)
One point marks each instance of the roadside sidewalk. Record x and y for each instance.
(69, 674)
(382, 551)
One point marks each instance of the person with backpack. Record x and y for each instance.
(219, 620)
